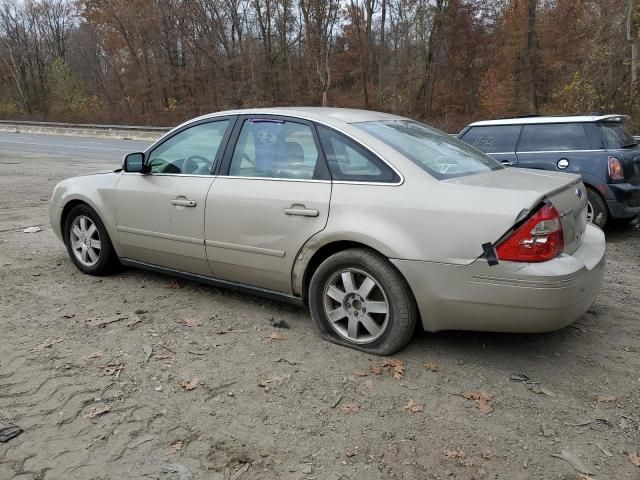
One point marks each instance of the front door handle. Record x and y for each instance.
(301, 211)
(183, 202)
(507, 163)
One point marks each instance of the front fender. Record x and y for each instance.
(97, 191)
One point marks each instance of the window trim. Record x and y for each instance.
(572, 150)
(219, 154)
(368, 150)
(225, 165)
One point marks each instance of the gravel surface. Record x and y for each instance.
(139, 375)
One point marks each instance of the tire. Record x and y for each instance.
(103, 260)
(330, 293)
(598, 206)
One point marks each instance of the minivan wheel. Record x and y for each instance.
(357, 299)
(87, 241)
(597, 212)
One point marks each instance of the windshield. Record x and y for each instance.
(441, 155)
(616, 134)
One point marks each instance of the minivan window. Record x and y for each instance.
(553, 137)
(493, 138)
(437, 153)
(616, 134)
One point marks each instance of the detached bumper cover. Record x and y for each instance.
(508, 297)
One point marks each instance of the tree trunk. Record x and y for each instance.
(530, 57)
(631, 8)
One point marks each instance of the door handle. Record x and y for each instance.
(301, 211)
(507, 163)
(183, 202)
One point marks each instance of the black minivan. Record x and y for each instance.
(598, 147)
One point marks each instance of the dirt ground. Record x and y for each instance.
(138, 375)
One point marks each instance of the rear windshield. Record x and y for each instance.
(616, 134)
(441, 155)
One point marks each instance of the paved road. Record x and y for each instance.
(77, 148)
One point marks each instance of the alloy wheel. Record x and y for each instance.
(356, 306)
(85, 240)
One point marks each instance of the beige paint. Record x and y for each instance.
(431, 230)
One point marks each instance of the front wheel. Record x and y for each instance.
(357, 299)
(87, 241)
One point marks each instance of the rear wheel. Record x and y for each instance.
(87, 241)
(357, 299)
(597, 212)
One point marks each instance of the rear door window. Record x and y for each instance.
(493, 138)
(553, 137)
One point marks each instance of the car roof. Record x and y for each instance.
(551, 119)
(327, 115)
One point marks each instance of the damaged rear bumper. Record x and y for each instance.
(510, 296)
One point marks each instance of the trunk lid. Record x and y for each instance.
(566, 193)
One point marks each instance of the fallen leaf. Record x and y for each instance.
(396, 365)
(376, 370)
(573, 459)
(190, 322)
(32, 230)
(634, 458)
(360, 373)
(97, 411)
(431, 366)
(605, 398)
(174, 285)
(275, 336)
(482, 400)
(176, 447)
(350, 452)
(190, 384)
(48, 343)
(351, 408)
(541, 390)
(414, 406)
(454, 454)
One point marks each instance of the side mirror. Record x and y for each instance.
(133, 163)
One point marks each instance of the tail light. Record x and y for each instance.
(615, 169)
(538, 239)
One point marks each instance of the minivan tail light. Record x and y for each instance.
(615, 169)
(538, 239)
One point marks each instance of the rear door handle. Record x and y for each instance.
(301, 211)
(507, 163)
(183, 202)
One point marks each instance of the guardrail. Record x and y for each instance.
(133, 132)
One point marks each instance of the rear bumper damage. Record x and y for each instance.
(508, 297)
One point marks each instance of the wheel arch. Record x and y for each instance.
(320, 254)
